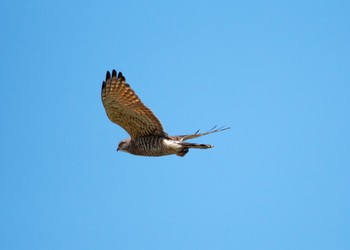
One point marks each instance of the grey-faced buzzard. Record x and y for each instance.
(147, 136)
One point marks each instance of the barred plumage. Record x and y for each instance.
(148, 137)
(149, 145)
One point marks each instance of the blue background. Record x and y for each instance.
(277, 72)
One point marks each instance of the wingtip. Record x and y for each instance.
(120, 75)
(221, 128)
(108, 75)
(114, 73)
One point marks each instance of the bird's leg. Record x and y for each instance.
(183, 152)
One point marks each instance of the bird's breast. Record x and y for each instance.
(152, 146)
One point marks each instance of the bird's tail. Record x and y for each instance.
(187, 145)
(195, 145)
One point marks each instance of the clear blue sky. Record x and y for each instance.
(277, 72)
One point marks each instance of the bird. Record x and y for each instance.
(147, 136)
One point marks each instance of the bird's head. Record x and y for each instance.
(124, 145)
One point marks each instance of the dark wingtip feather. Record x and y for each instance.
(213, 128)
(114, 73)
(108, 75)
(224, 128)
(120, 75)
(103, 84)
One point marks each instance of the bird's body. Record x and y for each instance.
(153, 146)
(148, 137)
(157, 146)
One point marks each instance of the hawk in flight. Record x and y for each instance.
(147, 136)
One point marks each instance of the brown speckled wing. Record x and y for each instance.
(125, 108)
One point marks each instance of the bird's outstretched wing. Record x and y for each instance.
(125, 108)
(197, 134)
